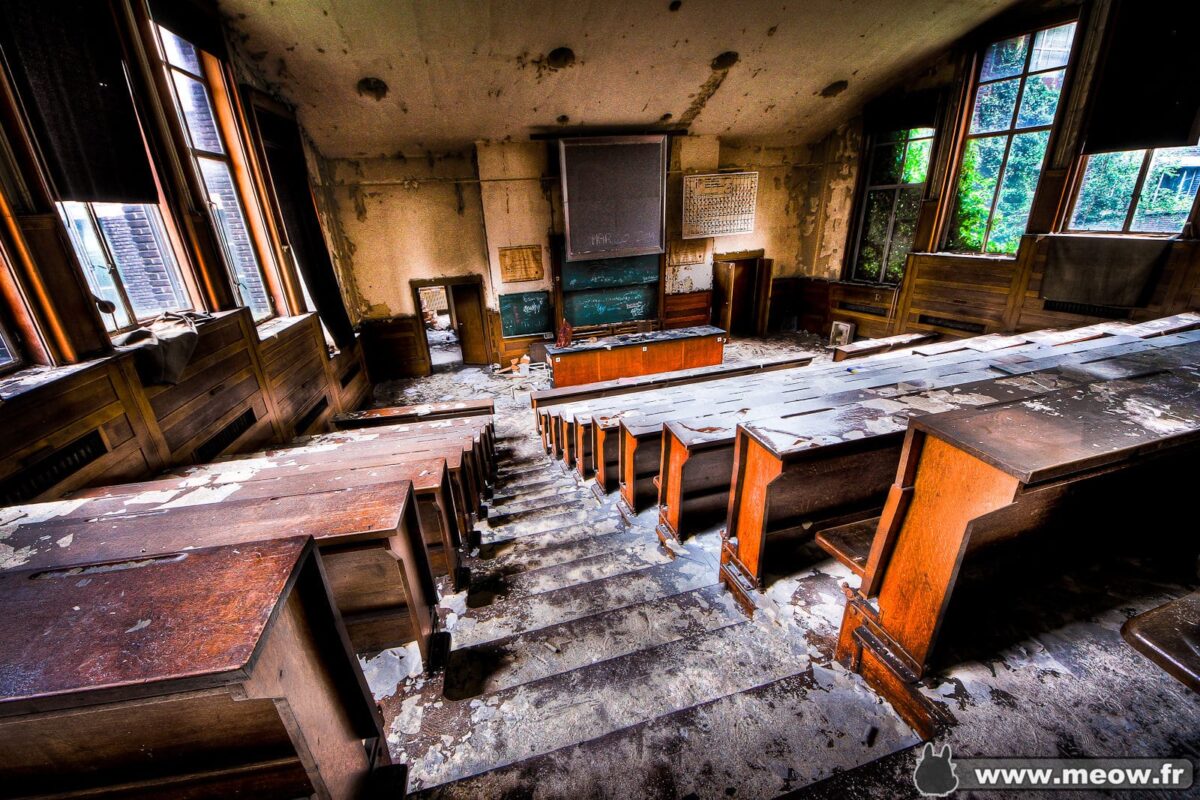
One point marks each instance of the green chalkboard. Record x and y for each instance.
(628, 271)
(526, 313)
(606, 306)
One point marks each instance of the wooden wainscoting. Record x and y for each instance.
(687, 310)
(293, 359)
(871, 308)
(957, 295)
(395, 348)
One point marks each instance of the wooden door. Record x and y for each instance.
(722, 300)
(466, 303)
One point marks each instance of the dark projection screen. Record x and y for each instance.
(614, 195)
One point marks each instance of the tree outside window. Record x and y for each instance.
(1016, 99)
(899, 164)
(1137, 191)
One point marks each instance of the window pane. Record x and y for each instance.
(180, 52)
(1016, 191)
(147, 266)
(916, 161)
(6, 353)
(1168, 191)
(874, 236)
(1052, 47)
(908, 204)
(994, 105)
(886, 164)
(921, 133)
(1106, 191)
(197, 113)
(1004, 59)
(976, 190)
(1040, 100)
(235, 235)
(94, 261)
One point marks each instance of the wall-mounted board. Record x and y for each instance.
(609, 306)
(629, 271)
(521, 263)
(719, 205)
(614, 195)
(526, 314)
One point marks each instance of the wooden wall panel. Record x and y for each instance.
(299, 381)
(395, 348)
(957, 295)
(871, 308)
(687, 310)
(348, 375)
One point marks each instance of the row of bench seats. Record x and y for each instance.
(196, 635)
(900, 463)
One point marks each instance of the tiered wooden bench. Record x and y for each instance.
(827, 471)
(1170, 637)
(392, 415)
(215, 672)
(972, 478)
(635, 354)
(697, 455)
(868, 347)
(368, 535)
(545, 401)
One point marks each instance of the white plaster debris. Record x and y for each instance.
(388, 669)
(139, 625)
(201, 496)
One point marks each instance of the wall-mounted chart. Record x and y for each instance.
(719, 205)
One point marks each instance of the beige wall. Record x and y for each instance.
(400, 219)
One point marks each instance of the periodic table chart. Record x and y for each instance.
(719, 205)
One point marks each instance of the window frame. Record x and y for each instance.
(967, 114)
(872, 145)
(1134, 199)
(167, 242)
(9, 342)
(234, 154)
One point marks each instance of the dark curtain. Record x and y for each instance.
(66, 63)
(1147, 93)
(289, 178)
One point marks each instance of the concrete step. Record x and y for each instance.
(552, 608)
(447, 741)
(548, 550)
(504, 585)
(563, 495)
(732, 746)
(534, 488)
(526, 523)
(526, 657)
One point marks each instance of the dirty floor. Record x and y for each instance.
(590, 662)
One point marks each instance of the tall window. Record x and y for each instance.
(126, 259)
(1137, 191)
(8, 353)
(1016, 98)
(899, 163)
(210, 154)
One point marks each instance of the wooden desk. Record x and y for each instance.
(636, 354)
(392, 415)
(1170, 637)
(866, 347)
(206, 673)
(972, 478)
(430, 479)
(369, 537)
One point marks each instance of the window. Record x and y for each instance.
(1016, 98)
(1163, 182)
(126, 259)
(193, 102)
(8, 353)
(899, 163)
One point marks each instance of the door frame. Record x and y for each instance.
(415, 286)
(762, 287)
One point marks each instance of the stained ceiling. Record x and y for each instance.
(381, 77)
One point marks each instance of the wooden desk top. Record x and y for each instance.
(187, 620)
(631, 339)
(1078, 429)
(425, 409)
(47, 536)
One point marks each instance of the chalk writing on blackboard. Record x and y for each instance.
(719, 205)
(525, 313)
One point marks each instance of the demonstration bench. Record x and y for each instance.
(635, 354)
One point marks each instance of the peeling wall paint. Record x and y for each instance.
(405, 218)
(780, 200)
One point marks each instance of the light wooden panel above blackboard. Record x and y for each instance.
(526, 314)
(614, 195)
